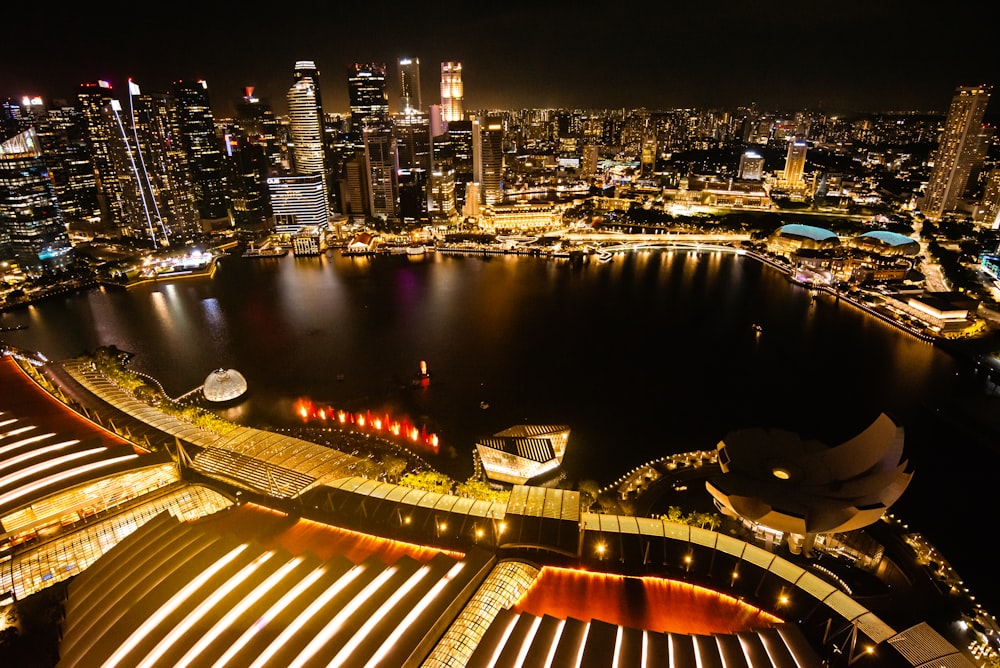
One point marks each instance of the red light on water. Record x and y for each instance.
(367, 422)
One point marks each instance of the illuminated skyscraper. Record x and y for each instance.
(452, 92)
(751, 166)
(305, 128)
(30, 219)
(367, 96)
(795, 163)
(306, 69)
(203, 149)
(487, 146)
(409, 85)
(380, 156)
(142, 172)
(62, 132)
(959, 148)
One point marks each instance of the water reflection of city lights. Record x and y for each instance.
(383, 424)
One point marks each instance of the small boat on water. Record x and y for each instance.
(757, 329)
(416, 249)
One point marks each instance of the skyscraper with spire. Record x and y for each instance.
(961, 145)
(452, 92)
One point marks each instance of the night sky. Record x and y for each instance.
(838, 56)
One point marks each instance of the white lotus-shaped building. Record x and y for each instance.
(803, 487)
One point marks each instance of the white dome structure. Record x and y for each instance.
(224, 385)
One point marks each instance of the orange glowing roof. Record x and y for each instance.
(653, 604)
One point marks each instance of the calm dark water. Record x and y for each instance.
(651, 354)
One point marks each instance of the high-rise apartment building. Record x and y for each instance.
(795, 163)
(203, 149)
(452, 92)
(409, 85)
(959, 148)
(30, 220)
(366, 92)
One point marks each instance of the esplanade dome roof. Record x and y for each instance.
(224, 385)
(890, 241)
(806, 232)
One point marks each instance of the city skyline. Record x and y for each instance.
(852, 58)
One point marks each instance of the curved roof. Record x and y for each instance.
(806, 231)
(890, 238)
(224, 385)
(804, 487)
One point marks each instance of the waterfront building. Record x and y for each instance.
(790, 238)
(452, 92)
(960, 147)
(142, 171)
(30, 219)
(409, 85)
(803, 488)
(306, 129)
(204, 153)
(522, 216)
(354, 186)
(247, 167)
(523, 452)
(367, 96)
(751, 166)
(297, 201)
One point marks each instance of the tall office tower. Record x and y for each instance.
(354, 187)
(460, 152)
(204, 152)
(409, 85)
(256, 124)
(30, 218)
(380, 156)
(141, 169)
(306, 69)
(488, 159)
(442, 200)
(306, 131)
(795, 163)
(297, 202)
(751, 166)
(412, 187)
(452, 92)
(367, 96)
(413, 141)
(163, 163)
(92, 98)
(959, 147)
(247, 168)
(62, 133)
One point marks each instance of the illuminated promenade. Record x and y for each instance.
(533, 577)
